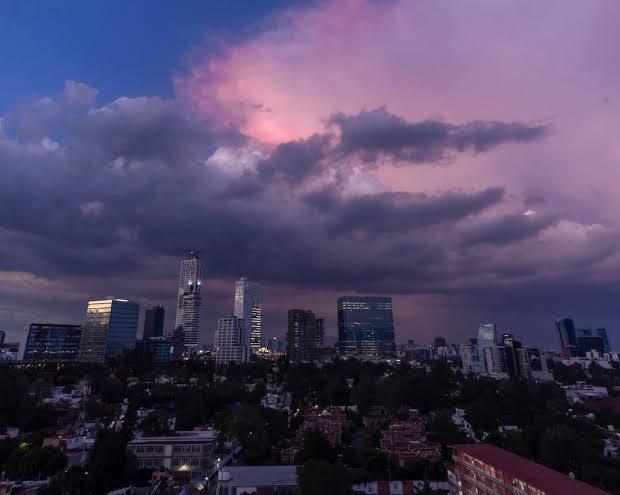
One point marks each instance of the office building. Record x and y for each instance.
(484, 469)
(230, 345)
(2, 336)
(248, 300)
(516, 360)
(159, 349)
(568, 336)
(189, 301)
(319, 332)
(438, 342)
(538, 364)
(111, 326)
(153, 322)
(303, 335)
(51, 343)
(186, 451)
(586, 343)
(366, 326)
(487, 335)
(239, 480)
(177, 344)
(276, 344)
(602, 333)
(470, 355)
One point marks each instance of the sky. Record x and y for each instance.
(461, 157)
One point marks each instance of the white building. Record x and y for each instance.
(192, 451)
(229, 341)
(189, 301)
(581, 391)
(248, 299)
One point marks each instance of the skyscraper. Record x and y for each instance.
(487, 335)
(516, 358)
(189, 301)
(153, 323)
(602, 333)
(568, 336)
(303, 335)
(229, 341)
(48, 342)
(365, 326)
(248, 300)
(111, 326)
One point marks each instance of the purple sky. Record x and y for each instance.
(462, 157)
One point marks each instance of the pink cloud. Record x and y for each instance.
(512, 61)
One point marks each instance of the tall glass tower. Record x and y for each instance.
(111, 326)
(487, 335)
(366, 326)
(189, 300)
(248, 300)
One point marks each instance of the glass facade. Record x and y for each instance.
(153, 322)
(47, 342)
(110, 327)
(365, 326)
(568, 334)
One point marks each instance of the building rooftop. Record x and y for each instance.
(256, 476)
(180, 437)
(546, 479)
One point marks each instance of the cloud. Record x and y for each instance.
(93, 208)
(79, 94)
(378, 132)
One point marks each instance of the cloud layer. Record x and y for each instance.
(350, 146)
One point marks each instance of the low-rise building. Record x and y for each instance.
(484, 469)
(186, 451)
(581, 392)
(237, 480)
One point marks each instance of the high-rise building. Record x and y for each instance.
(2, 336)
(487, 335)
(438, 342)
(48, 342)
(229, 342)
(538, 364)
(303, 335)
(602, 333)
(248, 300)
(189, 301)
(568, 336)
(276, 344)
(516, 359)
(319, 332)
(111, 326)
(366, 326)
(153, 322)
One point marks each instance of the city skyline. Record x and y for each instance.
(481, 188)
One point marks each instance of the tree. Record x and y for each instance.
(317, 477)
(34, 463)
(110, 465)
(156, 423)
(316, 446)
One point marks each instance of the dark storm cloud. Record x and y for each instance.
(296, 160)
(130, 182)
(378, 132)
(401, 212)
(506, 229)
